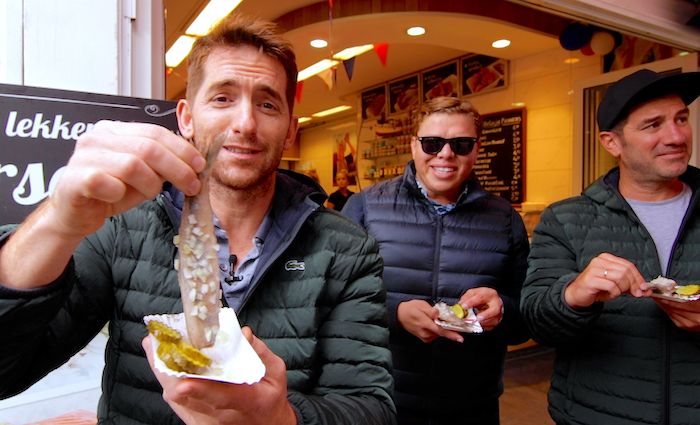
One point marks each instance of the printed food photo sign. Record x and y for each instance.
(403, 95)
(374, 102)
(481, 73)
(41, 127)
(441, 81)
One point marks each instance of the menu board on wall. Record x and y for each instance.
(373, 102)
(403, 94)
(40, 129)
(481, 73)
(500, 162)
(441, 81)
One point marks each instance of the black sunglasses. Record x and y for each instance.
(432, 145)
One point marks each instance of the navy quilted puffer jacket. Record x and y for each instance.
(482, 242)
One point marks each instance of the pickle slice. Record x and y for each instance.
(458, 310)
(177, 354)
(163, 332)
(688, 290)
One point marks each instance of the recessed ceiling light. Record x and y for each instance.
(683, 53)
(518, 104)
(500, 44)
(318, 43)
(415, 31)
(570, 61)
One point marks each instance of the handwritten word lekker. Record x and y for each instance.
(38, 127)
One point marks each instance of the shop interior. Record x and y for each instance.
(550, 62)
(538, 95)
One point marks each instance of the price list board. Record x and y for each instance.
(501, 158)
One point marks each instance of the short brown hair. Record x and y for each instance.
(447, 105)
(236, 30)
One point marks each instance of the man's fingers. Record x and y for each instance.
(169, 156)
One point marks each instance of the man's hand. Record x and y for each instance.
(488, 304)
(204, 402)
(417, 317)
(684, 315)
(115, 167)
(605, 278)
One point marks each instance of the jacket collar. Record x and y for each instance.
(471, 192)
(606, 190)
(296, 195)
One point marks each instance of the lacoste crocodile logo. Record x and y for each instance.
(294, 265)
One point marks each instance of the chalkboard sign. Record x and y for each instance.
(40, 129)
(500, 162)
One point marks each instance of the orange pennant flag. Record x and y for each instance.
(382, 50)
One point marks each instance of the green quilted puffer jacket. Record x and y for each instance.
(620, 362)
(327, 320)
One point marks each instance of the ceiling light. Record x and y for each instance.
(331, 111)
(570, 61)
(314, 69)
(518, 104)
(318, 43)
(351, 52)
(500, 44)
(212, 13)
(683, 53)
(302, 120)
(179, 50)
(414, 31)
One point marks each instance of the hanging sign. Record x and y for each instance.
(40, 128)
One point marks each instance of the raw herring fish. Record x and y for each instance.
(197, 265)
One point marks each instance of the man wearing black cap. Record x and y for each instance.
(622, 356)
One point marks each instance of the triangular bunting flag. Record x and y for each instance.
(300, 86)
(328, 77)
(349, 65)
(382, 49)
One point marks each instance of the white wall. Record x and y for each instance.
(105, 46)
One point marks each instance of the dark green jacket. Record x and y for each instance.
(621, 362)
(328, 321)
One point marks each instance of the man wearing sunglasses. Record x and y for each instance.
(444, 238)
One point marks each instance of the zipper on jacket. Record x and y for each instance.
(666, 399)
(436, 256)
(666, 337)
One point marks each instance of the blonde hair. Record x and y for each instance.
(236, 30)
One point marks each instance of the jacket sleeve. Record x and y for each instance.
(355, 383)
(354, 209)
(513, 324)
(43, 328)
(552, 266)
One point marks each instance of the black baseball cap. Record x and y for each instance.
(641, 86)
